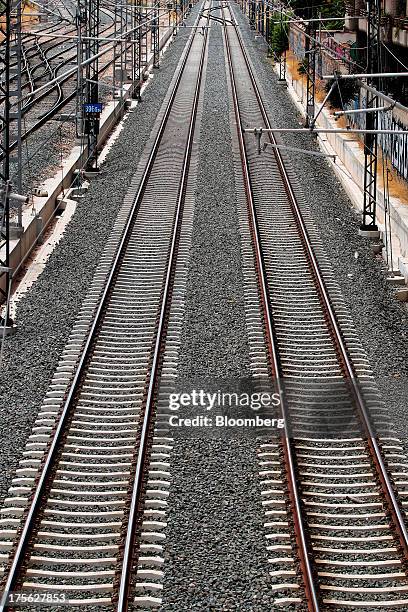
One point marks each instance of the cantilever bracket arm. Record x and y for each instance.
(313, 121)
(299, 150)
(346, 130)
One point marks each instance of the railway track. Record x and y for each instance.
(86, 514)
(335, 525)
(35, 116)
(38, 109)
(45, 66)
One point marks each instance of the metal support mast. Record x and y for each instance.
(80, 19)
(310, 52)
(10, 128)
(16, 50)
(128, 48)
(138, 64)
(261, 17)
(119, 47)
(282, 58)
(268, 28)
(135, 68)
(5, 39)
(92, 86)
(371, 139)
(155, 33)
(252, 13)
(87, 79)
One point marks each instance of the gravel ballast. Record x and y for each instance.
(215, 546)
(47, 312)
(215, 549)
(380, 320)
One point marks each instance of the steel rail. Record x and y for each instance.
(347, 366)
(303, 549)
(70, 73)
(56, 84)
(160, 334)
(26, 38)
(349, 371)
(46, 64)
(27, 69)
(49, 463)
(55, 109)
(88, 60)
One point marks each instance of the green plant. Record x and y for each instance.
(401, 8)
(343, 93)
(302, 66)
(327, 8)
(279, 34)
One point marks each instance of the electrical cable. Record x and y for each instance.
(394, 56)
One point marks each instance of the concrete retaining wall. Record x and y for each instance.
(350, 153)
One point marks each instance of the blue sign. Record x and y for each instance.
(93, 108)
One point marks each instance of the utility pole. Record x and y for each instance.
(368, 226)
(310, 52)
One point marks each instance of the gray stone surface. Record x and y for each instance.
(216, 556)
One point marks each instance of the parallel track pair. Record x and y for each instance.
(96, 468)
